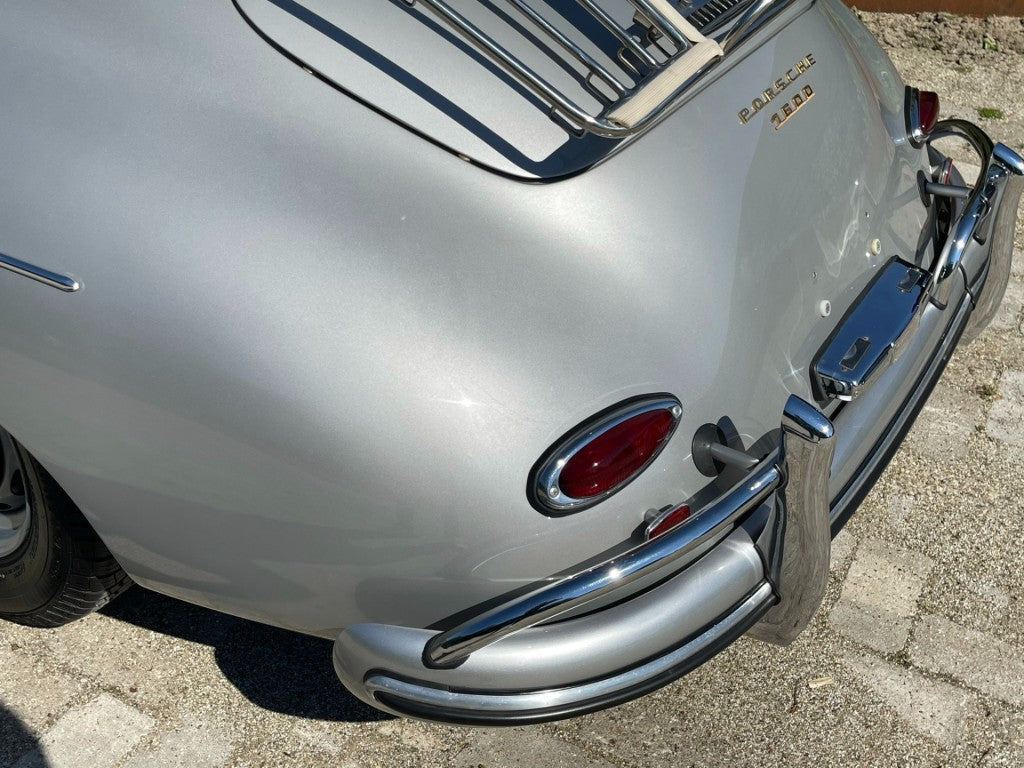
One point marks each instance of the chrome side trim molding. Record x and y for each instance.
(454, 645)
(450, 704)
(802, 424)
(39, 274)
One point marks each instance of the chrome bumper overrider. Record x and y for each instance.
(756, 558)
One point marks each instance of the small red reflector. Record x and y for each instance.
(946, 171)
(668, 521)
(614, 456)
(927, 111)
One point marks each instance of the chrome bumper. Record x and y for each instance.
(466, 675)
(756, 558)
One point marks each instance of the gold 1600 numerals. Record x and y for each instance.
(792, 106)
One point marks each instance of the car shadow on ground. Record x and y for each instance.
(275, 669)
(15, 739)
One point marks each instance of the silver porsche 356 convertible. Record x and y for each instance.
(530, 350)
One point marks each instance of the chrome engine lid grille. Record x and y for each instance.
(707, 15)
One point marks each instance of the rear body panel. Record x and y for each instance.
(314, 356)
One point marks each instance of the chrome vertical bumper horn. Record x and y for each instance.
(800, 565)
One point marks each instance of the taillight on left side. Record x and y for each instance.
(603, 455)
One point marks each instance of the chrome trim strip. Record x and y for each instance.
(546, 488)
(713, 522)
(40, 275)
(801, 421)
(473, 702)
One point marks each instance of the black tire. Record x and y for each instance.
(61, 571)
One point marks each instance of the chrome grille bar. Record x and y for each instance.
(712, 11)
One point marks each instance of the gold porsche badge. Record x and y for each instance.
(774, 92)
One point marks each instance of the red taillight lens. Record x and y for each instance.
(603, 454)
(615, 456)
(927, 111)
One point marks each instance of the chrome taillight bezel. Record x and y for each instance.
(543, 487)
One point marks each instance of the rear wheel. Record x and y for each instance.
(53, 567)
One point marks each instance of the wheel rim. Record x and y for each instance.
(15, 513)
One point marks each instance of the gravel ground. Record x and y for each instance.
(915, 659)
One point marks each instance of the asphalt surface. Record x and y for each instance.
(916, 658)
